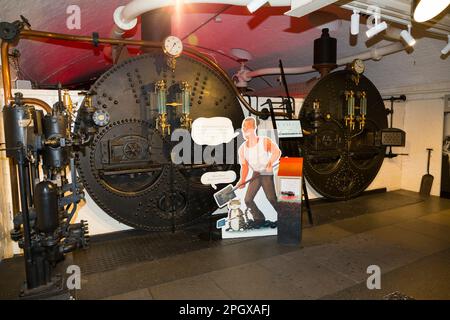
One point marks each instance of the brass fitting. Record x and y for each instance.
(162, 124)
(350, 117)
(186, 121)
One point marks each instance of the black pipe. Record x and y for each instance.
(29, 264)
(29, 184)
(156, 25)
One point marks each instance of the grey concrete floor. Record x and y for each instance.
(411, 245)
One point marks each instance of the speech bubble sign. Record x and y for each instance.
(216, 177)
(212, 131)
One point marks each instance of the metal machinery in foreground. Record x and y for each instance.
(41, 148)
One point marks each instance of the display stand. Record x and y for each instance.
(213, 234)
(289, 148)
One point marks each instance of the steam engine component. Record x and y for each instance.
(345, 117)
(127, 167)
(343, 153)
(43, 229)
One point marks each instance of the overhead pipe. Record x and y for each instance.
(245, 75)
(6, 72)
(40, 103)
(33, 34)
(156, 25)
(125, 17)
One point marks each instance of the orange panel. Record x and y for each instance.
(290, 167)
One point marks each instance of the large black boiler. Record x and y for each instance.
(343, 152)
(127, 168)
(344, 119)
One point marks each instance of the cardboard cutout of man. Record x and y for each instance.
(259, 154)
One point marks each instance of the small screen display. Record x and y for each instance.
(289, 129)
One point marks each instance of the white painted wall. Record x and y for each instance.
(424, 126)
(390, 173)
(424, 123)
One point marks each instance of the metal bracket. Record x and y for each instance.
(10, 31)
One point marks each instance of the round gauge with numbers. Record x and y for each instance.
(358, 66)
(101, 118)
(173, 46)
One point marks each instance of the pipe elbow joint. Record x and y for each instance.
(123, 24)
(241, 79)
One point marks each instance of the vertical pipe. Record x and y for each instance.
(6, 73)
(156, 25)
(14, 185)
(6, 77)
(29, 267)
(29, 184)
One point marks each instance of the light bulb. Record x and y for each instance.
(407, 37)
(354, 26)
(428, 9)
(376, 29)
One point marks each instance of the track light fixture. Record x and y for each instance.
(377, 27)
(407, 37)
(354, 26)
(255, 5)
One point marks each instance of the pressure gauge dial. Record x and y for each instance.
(101, 118)
(358, 66)
(172, 46)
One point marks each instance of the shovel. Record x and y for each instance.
(223, 196)
(427, 179)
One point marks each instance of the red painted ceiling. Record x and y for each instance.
(268, 35)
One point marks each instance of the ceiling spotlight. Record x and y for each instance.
(447, 47)
(428, 9)
(374, 24)
(354, 26)
(376, 29)
(407, 37)
(255, 5)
